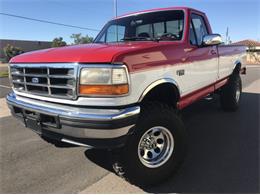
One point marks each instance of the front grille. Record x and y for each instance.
(52, 80)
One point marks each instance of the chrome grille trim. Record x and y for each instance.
(56, 80)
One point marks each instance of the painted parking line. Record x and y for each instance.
(4, 110)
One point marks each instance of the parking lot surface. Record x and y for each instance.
(223, 154)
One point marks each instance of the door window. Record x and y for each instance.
(199, 26)
(193, 40)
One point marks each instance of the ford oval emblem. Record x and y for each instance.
(35, 80)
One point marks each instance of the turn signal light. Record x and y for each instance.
(121, 89)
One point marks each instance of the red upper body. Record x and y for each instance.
(136, 55)
(100, 53)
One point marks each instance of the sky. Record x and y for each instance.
(242, 17)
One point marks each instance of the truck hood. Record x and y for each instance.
(85, 53)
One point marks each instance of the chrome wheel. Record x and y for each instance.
(155, 147)
(237, 94)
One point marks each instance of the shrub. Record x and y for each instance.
(11, 51)
(79, 39)
(58, 42)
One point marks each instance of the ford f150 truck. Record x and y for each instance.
(123, 92)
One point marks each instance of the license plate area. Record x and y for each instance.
(33, 124)
(37, 121)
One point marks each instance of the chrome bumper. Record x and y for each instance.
(75, 122)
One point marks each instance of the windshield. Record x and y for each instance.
(162, 25)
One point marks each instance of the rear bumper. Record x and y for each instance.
(88, 127)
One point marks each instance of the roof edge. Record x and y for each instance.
(156, 10)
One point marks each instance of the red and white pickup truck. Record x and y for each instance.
(123, 91)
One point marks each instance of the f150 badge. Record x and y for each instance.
(180, 72)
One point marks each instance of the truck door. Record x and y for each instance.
(202, 69)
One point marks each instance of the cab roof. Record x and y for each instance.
(158, 10)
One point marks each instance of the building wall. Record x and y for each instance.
(253, 55)
(253, 58)
(24, 45)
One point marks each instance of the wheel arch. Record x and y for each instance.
(237, 67)
(167, 86)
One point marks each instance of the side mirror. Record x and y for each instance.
(212, 39)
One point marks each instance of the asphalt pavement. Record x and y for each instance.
(30, 165)
(223, 154)
(4, 86)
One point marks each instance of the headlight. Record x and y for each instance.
(103, 81)
(95, 76)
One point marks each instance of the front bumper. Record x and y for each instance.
(102, 128)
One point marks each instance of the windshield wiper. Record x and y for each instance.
(156, 39)
(166, 37)
(136, 39)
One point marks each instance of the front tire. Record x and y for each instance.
(156, 148)
(230, 93)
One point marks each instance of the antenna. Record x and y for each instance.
(115, 14)
(115, 8)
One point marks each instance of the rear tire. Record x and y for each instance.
(230, 93)
(156, 148)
